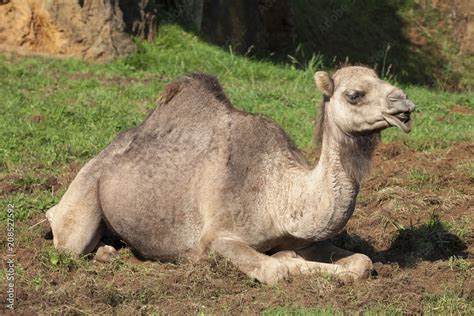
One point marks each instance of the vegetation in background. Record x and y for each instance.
(407, 39)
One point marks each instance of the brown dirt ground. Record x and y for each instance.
(409, 189)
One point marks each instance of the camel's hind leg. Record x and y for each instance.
(76, 221)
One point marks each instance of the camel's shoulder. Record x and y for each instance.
(256, 138)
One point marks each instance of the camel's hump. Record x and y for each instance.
(202, 81)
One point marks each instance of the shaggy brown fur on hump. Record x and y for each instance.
(211, 84)
(202, 81)
(170, 91)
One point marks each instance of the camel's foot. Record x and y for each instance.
(284, 266)
(105, 254)
(359, 266)
(355, 266)
(270, 272)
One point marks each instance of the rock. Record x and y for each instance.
(87, 29)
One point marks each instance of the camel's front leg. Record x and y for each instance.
(357, 265)
(264, 268)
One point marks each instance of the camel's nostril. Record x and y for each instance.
(397, 105)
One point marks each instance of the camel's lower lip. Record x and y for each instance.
(400, 120)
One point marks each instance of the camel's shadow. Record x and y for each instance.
(429, 242)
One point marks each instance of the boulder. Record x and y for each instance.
(86, 29)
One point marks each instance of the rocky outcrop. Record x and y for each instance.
(87, 29)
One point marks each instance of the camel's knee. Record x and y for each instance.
(76, 221)
(79, 242)
(76, 232)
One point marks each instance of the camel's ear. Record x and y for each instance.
(324, 82)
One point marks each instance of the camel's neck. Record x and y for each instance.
(325, 199)
(345, 159)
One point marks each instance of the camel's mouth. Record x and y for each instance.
(400, 120)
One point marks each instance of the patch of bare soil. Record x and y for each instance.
(413, 214)
(16, 183)
(461, 110)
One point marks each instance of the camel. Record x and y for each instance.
(199, 176)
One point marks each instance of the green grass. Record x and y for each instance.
(419, 178)
(457, 263)
(285, 311)
(447, 304)
(55, 113)
(380, 309)
(438, 304)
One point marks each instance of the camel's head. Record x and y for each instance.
(358, 102)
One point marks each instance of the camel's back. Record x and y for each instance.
(195, 123)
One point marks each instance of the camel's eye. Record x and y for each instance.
(354, 96)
